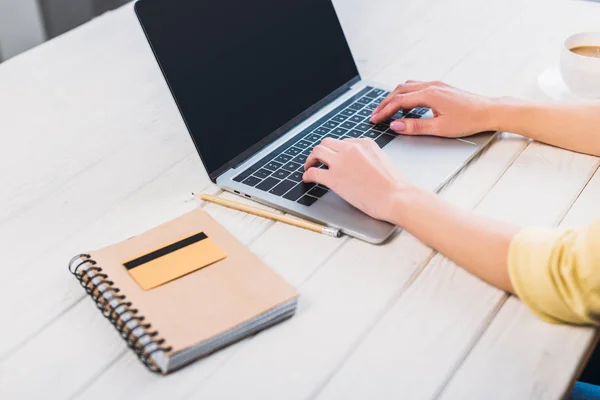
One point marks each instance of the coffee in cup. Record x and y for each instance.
(580, 64)
(587, 51)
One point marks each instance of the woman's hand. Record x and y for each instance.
(360, 172)
(456, 113)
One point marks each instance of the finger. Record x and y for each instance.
(333, 144)
(317, 175)
(319, 154)
(426, 126)
(424, 97)
(408, 87)
(400, 89)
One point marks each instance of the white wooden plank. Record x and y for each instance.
(94, 150)
(453, 30)
(294, 253)
(118, 143)
(115, 47)
(279, 248)
(509, 61)
(72, 354)
(46, 288)
(338, 303)
(551, 351)
(414, 347)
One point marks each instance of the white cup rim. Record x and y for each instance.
(575, 36)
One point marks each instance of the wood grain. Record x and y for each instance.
(446, 309)
(97, 152)
(339, 303)
(551, 350)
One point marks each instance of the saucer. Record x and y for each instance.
(552, 85)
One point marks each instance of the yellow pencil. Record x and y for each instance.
(299, 223)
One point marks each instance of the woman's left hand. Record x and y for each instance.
(359, 172)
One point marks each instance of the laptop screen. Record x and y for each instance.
(241, 69)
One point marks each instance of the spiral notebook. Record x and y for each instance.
(183, 290)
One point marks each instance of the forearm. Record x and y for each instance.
(572, 126)
(475, 243)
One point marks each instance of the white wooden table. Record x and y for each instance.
(93, 151)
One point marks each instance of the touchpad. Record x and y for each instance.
(428, 161)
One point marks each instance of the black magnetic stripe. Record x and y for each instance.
(165, 250)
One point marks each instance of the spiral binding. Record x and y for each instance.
(102, 290)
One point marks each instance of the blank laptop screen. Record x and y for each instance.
(241, 69)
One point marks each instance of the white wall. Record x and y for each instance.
(21, 26)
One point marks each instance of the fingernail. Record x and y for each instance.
(398, 126)
(373, 117)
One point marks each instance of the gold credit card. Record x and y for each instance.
(174, 261)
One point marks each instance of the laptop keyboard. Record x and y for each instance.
(280, 172)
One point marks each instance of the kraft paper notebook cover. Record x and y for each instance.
(229, 295)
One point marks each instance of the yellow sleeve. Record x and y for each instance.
(556, 273)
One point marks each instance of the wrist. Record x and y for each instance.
(505, 114)
(403, 202)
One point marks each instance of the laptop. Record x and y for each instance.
(260, 83)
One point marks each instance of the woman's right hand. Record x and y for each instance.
(456, 113)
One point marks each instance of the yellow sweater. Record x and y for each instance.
(557, 273)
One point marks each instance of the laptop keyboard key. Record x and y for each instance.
(291, 166)
(303, 144)
(398, 115)
(282, 188)
(267, 184)
(252, 181)
(411, 115)
(283, 158)
(356, 106)
(296, 177)
(363, 127)
(357, 119)
(371, 134)
(318, 192)
(331, 124)
(312, 137)
(298, 190)
(339, 118)
(321, 130)
(364, 100)
(281, 174)
(293, 151)
(262, 173)
(273, 165)
(243, 175)
(307, 200)
(384, 139)
(379, 127)
(348, 112)
(339, 131)
(354, 133)
(365, 113)
(300, 159)
(307, 151)
(375, 93)
(348, 125)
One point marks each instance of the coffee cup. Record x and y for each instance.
(579, 66)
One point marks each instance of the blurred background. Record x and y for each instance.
(27, 23)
